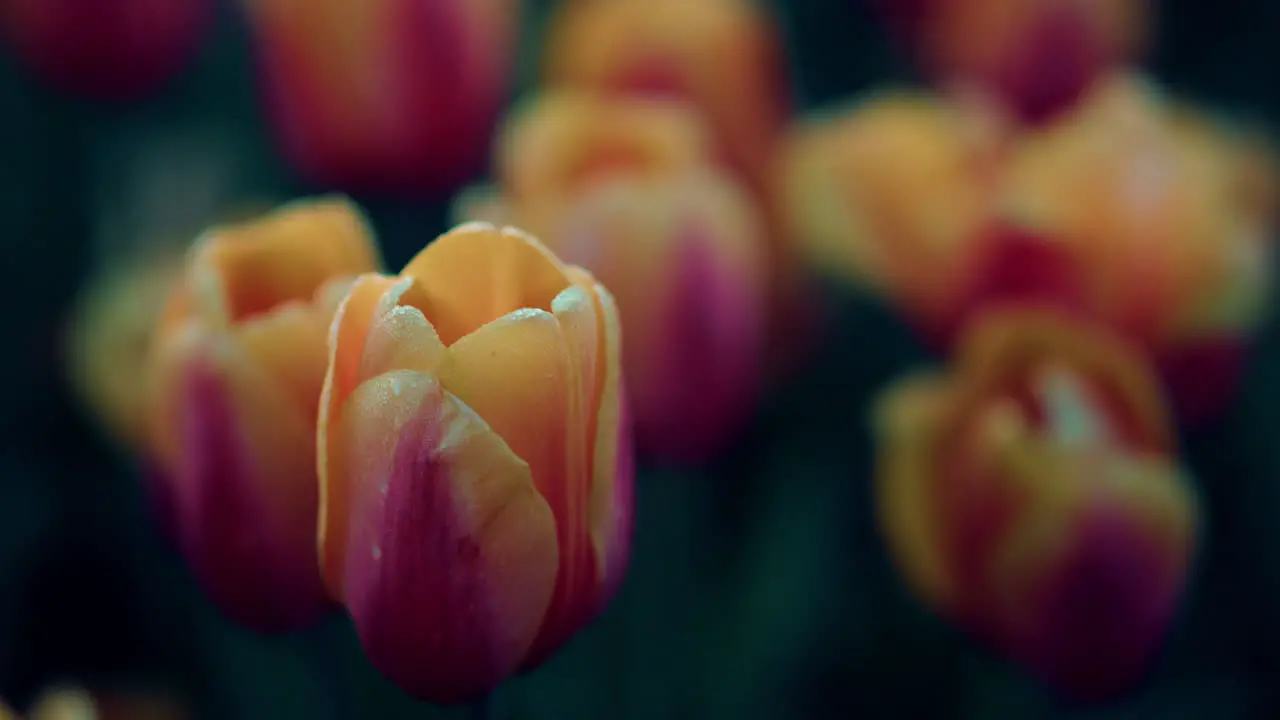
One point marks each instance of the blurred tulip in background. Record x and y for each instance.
(387, 96)
(106, 49)
(1033, 494)
(236, 369)
(109, 339)
(1036, 58)
(626, 188)
(726, 59)
(475, 461)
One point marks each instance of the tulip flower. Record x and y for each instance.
(887, 195)
(724, 56)
(109, 338)
(1032, 495)
(1038, 58)
(112, 49)
(564, 142)
(237, 367)
(1169, 219)
(385, 95)
(474, 461)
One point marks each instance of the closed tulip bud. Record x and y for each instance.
(236, 370)
(1032, 494)
(724, 56)
(385, 95)
(108, 49)
(1169, 219)
(1037, 58)
(474, 460)
(887, 195)
(564, 142)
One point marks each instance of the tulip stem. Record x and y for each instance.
(482, 707)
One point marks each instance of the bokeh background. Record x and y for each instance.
(759, 586)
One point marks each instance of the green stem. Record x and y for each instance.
(482, 707)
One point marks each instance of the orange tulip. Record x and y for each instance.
(109, 338)
(474, 460)
(723, 55)
(1038, 58)
(107, 48)
(237, 368)
(564, 142)
(385, 95)
(1169, 219)
(1032, 494)
(888, 195)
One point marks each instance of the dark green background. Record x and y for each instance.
(759, 588)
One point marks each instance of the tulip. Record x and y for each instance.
(1169, 219)
(109, 338)
(887, 195)
(1038, 58)
(236, 372)
(385, 95)
(474, 461)
(564, 142)
(109, 49)
(1032, 495)
(724, 56)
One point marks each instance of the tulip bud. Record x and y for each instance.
(1032, 494)
(1038, 58)
(1169, 221)
(108, 49)
(564, 142)
(722, 55)
(385, 95)
(887, 194)
(474, 461)
(236, 372)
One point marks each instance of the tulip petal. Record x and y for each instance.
(477, 273)
(238, 271)
(238, 454)
(515, 372)
(450, 558)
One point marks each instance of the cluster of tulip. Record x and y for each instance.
(1089, 252)
(457, 439)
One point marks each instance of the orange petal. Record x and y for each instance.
(242, 270)
(449, 559)
(476, 273)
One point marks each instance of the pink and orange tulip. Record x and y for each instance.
(474, 461)
(237, 368)
(724, 56)
(1033, 495)
(1169, 220)
(625, 188)
(1037, 59)
(385, 95)
(889, 193)
(110, 49)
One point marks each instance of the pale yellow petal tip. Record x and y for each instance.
(65, 704)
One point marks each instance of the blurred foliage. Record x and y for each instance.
(759, 586)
